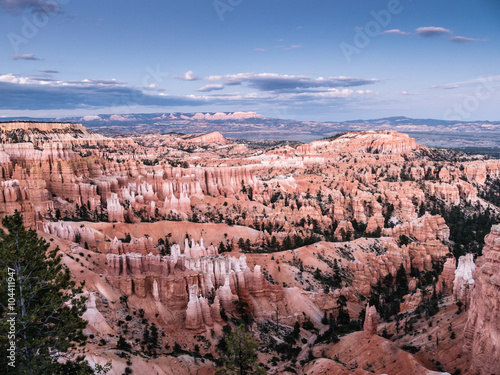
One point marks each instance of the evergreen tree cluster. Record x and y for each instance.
(47, 303)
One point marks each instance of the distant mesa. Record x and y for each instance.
(478, 137)
(376, 142)
(91, 118)
(226, 116)
(41, 126)
(199, 116)
(38, 133)
(213, 137)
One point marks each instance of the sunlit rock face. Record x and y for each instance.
(371, 321)
(464, 279)
(382, 142)
(115, 209)
(213, 137)
(482, 332)
(50, 165)
(447, 278)
(226, 116)
(189, 280)
(426, 228)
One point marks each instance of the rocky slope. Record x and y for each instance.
(198, 233)
(40, 132)
(482, 332)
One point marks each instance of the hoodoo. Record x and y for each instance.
(482, 332)
(199, 234)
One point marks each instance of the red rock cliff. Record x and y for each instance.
(482, 331)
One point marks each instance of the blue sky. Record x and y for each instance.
(308, 60)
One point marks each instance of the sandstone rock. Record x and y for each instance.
(226, 296)
(40, 126)
(411, 302)
(194, 315)
(69, 232)
(482, 332)
(464, 279)
(115, 209)
(379, 142)
(344, 230)
(213, 138)
(425, 228)
(447, 277)
(371, 321)
(447, 192)
(375, 222)
(198, 250)
(215, 310)
(224, 116)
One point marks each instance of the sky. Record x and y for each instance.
(322, 60)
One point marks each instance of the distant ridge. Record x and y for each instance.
(221, 116)
(481, 136)
(397, 120)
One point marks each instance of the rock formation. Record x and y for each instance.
(380, 142)
(225, 116)
(290, 227)
(194, 314)
(371, 321)
(115, 209)
(464, 279)
(164, 278)
(426, 228)
(482, 332)
(213, 138)
(447, 278)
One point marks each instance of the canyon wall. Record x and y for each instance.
(482, 331)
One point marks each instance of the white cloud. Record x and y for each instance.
(212, 87)
(404, 92)
(430, 31)
(463, 39)
(188, 76)
(395, 32)
(284, 82)
(484, 80)
(25, 57)
(288, 48)
(11, 78)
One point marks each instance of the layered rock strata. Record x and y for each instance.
(482, 331)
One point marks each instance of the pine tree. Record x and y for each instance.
(49, 327)
(296, 330)
(287, 243)
(240, 354)
(122, 344)
(324, 320)
(402, 280)
(222, 248)
(250, 193)
(241, 244)
(421, 210)
(343, 315)
(153, 336)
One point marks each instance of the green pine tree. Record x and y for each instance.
(240, 356)
(48, 327)
(343, 315)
